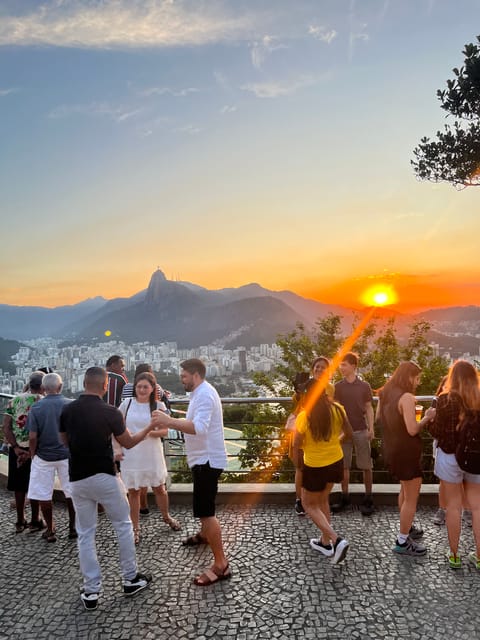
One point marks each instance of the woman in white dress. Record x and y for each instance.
(144, 465)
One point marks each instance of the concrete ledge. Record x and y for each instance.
(262, 493)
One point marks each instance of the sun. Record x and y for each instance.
(379, 295)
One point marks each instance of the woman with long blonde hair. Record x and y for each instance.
(462, 391)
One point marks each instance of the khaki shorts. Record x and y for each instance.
(363, 454)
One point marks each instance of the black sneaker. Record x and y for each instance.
(90, 600)
(136, 584)
(367, 507)
(343, 503)
(415, 533)
(145, 512)
(299, 510)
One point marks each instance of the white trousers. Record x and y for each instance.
(109, 491)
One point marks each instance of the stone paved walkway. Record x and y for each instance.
(280, 588)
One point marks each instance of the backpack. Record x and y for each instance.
(467, 452)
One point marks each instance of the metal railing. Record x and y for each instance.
(258, 445)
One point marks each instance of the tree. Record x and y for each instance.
(382, 358)
(454, 156)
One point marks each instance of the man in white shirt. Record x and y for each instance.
(206, 457)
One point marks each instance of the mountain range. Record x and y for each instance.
(191, 315)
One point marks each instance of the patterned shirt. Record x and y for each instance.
(18, 409)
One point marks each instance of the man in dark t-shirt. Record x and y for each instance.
(86, 427)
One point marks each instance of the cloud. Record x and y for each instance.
(228, 109)
(7, 92)
(261, 49)
(322, 33)
(277, 89)
(125, 24)
(95, 109)
(188, 128)
(162, 91)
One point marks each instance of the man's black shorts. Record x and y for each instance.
(205, 487)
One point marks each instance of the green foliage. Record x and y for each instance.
(8, 348)
(382, 358)
(300, 348)
(454, 156)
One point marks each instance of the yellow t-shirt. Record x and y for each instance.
(321, 453)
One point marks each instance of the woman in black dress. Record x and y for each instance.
(403, 449)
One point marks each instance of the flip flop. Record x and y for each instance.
(193, 541)
(210, 576)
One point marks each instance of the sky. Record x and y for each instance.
(229, 142)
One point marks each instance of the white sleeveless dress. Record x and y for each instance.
(143, 465)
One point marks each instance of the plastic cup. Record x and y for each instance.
(418, 412)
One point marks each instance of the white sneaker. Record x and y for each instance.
(340, 549)
(326, 550)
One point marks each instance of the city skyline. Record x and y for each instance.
(229, 143)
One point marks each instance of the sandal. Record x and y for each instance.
(210, 576)
(36, 525)
(193, 541)
(49, 536)
(173, 524)
(21, 526)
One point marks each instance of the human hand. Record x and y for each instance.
(430, 414)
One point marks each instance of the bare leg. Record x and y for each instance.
(298, 483)
(408, 504)
(368, 480)
(71, 515)
(20, 505)
(453, 499)
(143, 498)
(316, 505)
(472, 493)
(345, 481)
(47, 512)
(134, 501)
(211, 531)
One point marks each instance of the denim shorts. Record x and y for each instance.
(447, 469)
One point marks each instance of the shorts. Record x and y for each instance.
(42, 478)
(205, 488)
(447, 469)
(316, 478)
(18, 477)
(363, 453)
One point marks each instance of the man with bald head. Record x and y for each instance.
(86, 427)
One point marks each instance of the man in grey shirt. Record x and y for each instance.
(49, 455)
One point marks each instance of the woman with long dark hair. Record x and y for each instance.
(402, 447)
(320, 426)
(462, 392)
(144, 465)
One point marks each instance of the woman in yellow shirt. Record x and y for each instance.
(320, 427)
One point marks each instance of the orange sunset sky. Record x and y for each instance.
(229, 143)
